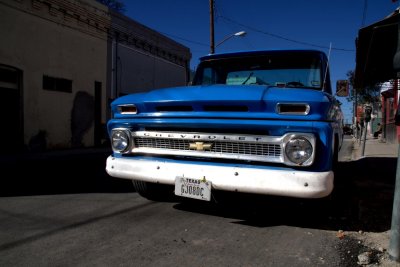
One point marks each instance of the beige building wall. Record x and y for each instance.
(86, 44)
(144, 59)
(40, 39)
(141, 71)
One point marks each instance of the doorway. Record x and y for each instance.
(11, 135)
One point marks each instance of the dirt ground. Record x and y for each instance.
(369, 201)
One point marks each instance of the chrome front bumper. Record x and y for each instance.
(280, 182)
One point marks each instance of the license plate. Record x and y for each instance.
(193, 188)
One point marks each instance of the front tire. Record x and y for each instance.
(335, 156)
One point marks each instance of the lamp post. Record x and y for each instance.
(212, 42)
(241, 34)
(212, 46)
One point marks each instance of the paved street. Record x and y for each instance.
(125, 229)
(74, 214)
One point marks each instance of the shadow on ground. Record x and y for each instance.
(361, 201)
(38, 174)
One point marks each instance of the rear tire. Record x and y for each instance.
(152, 191)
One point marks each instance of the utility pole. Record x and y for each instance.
(212, 46)
(394, 244)
(116, 64)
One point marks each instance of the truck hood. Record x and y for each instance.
(227, 101)
(202, 93)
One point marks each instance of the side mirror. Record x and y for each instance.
(342, 88)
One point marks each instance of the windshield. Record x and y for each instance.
(282, 70)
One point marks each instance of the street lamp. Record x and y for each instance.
(239, 34)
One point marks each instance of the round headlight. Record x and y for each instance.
(120, 140)
(298, 150)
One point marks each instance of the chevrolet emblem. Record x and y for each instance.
(200, 146)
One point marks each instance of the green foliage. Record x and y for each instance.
(115, 5)
(370, 94)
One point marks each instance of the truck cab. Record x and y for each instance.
(261, 122)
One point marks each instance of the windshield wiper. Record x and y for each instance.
(248, 78)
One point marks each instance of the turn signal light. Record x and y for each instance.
(292, 109)
(128, 109)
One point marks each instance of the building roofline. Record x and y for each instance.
(129, 29)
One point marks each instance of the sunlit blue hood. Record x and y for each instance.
(231, 100)
(201, 93)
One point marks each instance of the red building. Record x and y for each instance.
(389, 103)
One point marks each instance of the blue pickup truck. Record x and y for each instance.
(262, 122)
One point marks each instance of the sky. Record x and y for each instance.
(269, 24)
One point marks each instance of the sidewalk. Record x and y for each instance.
(374, 148)
(375, 194)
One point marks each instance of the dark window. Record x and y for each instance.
(57, 84)
(8, 75)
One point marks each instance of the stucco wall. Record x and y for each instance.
(39, 46)
(77, 40)
(139, 71)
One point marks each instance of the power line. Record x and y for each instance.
(282, 37)
(183, 39)
(219, 11)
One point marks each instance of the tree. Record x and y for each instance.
(369, 94)
(115, 5)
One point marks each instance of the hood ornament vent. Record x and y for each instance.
(293, 108)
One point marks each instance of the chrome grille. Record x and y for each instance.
(161, 143)
(270, 150)
(239, 148)
(196, 145)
